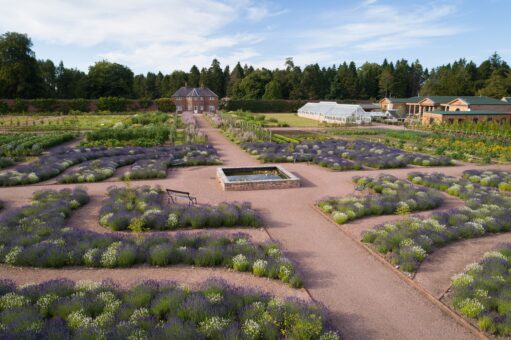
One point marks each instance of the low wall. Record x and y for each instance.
(285, 183)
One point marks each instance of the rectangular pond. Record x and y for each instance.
(256, 178)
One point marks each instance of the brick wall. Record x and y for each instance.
(428, 118)
(189, 103)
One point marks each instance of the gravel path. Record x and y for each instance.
(436, 271)
(126, 277)
(366, 299)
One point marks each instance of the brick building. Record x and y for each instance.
(472, 103)
(450, 109)
(475, 116)
(196, 99)
(397, 104)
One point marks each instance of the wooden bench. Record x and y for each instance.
(173, 195)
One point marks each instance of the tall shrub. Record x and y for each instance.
(165, 105)
(4, 107)
(114, 104)
(19, 106)
(145, 103)
(79, 104)
(45, 104)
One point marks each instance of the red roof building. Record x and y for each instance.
(196, 99)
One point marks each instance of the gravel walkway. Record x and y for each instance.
(126, 277)
(436, 271)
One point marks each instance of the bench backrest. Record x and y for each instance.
(169, 191)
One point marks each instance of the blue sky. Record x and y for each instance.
(166, 35)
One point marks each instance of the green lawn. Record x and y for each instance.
(71, 122)
(293, 120)
(48, 123)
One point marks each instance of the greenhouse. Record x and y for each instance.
(332, 112)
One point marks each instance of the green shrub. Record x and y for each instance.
(19, 106)
(159, 255)
(113, 104)
(79, 104)
(240, 263)
(145, 103)
(45, 104)
(259, 267)
(339, 217)
(126, 256)
(504, 186)
(4, 107)
(402, 208)
(296, 281)
(136, 225)
(165, 105)
(470, 307)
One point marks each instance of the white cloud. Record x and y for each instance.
(126, 22)
(375, 27)
(151, 34)
(175, 34)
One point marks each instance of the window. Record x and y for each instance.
(490, 119)
(201, 98)
(451, 120)
(179, 108)
(460, 120)
(475, 120)
(211, 108)
(211, 98)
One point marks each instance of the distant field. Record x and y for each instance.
(293, 120)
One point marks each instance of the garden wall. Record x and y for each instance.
(113, 104)
(274, 106)
(258, 106)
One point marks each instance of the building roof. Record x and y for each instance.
(415, 99)
(440, 99)
(471, 112)
(332, 109)
(185, 91)
(480, 100)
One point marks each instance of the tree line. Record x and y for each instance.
(23, 76)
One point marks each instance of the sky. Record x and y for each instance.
(168, 35)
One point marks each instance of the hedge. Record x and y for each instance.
(64, 106)
(278, 105)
